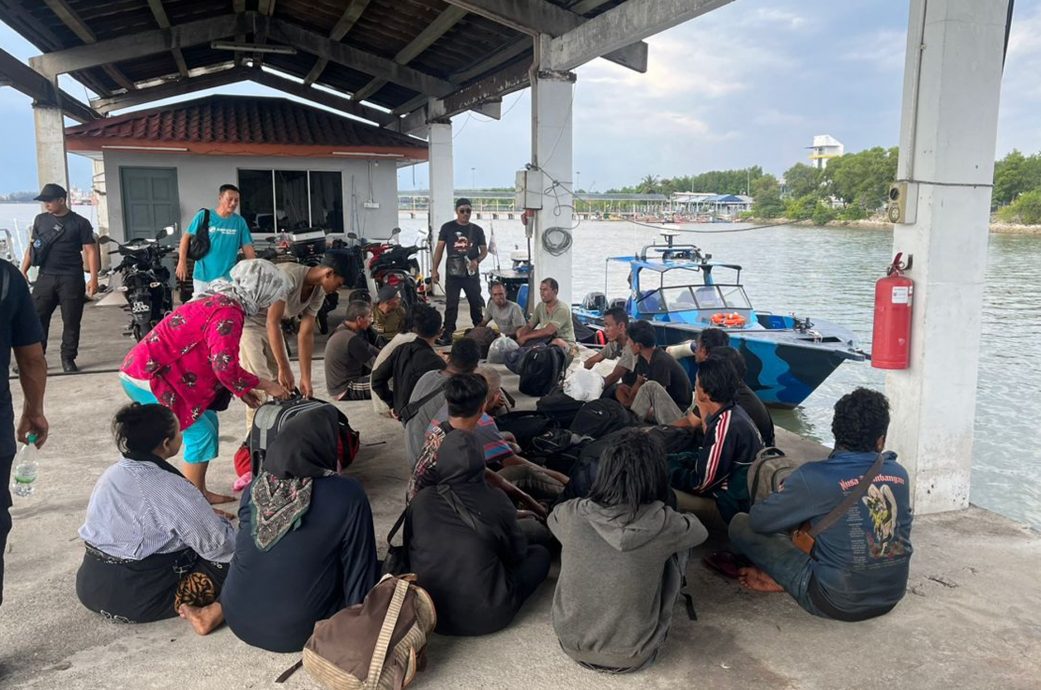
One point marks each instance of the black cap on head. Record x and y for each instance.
(50, 192)
(338, 260)
(387, 293)
(462, 201)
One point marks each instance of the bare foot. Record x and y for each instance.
(217, 499)
(203, 618)
(758, 581)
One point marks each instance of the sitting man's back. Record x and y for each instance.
(858, 566)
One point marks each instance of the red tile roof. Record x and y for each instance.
(243, 125)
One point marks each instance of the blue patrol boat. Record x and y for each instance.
(680, 291)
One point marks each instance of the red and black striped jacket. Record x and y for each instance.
(731, 438)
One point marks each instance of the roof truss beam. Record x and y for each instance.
(175, 87)
(321, 97)
(71, 19)
(359, 60)
(536, 17)
(351, 14)
(43, 91)
(435, 30)
(619, 26)
(164, 23)
(136, 45)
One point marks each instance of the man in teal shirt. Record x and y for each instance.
(228, 234)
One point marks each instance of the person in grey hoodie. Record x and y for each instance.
(623, 556)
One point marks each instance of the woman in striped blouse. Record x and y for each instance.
(155, 548)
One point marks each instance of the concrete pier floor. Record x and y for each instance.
(969, 620)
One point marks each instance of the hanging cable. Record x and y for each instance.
(556, 240)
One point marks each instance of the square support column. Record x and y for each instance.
(948, 131)
(552, 95)
(442, 185)
(51, 163)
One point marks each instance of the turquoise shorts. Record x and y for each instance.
(201, 439)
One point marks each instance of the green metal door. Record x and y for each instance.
(150, 203)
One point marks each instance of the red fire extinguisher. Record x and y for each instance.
(891, 339)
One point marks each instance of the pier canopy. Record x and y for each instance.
(397, 63)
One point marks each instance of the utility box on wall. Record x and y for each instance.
(528, 189)
(902, 206)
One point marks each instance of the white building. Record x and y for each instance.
(824, 147)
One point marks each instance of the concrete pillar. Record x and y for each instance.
(51, 164)
(552, 96)
(98, 193)
(441, 208)
(948, 130)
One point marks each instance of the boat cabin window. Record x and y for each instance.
(690, 297)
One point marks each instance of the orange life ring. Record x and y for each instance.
(729, 320)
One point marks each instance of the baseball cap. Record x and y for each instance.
(387, 293)
(50, 192)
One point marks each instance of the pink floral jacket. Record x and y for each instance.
(190, 355)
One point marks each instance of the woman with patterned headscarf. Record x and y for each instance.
(190, 361)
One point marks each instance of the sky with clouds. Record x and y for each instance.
(747, 84)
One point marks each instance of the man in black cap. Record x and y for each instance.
(467, 248)
(388, 318)
(60, 241)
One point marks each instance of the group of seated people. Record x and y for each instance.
(484, 520)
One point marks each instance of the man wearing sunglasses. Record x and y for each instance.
(467, 248)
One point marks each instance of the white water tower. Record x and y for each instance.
(824, 147)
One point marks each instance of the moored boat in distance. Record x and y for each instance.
(787, 357)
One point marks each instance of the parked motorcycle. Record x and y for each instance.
(146, 281)
(392, 264)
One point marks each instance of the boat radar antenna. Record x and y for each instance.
(670, 236)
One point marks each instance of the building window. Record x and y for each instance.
(291, 200)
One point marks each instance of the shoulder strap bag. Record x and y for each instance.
(805, 536)
(200, 244)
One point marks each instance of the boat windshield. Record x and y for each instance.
(690, 297)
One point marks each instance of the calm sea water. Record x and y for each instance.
(829, 273)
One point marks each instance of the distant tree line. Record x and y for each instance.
(1017, 188)
(17, 197)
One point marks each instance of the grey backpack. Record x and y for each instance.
(768, 472)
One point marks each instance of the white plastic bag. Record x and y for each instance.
(498, 349)
(583, 384)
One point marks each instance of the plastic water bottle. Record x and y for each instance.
(25, 468)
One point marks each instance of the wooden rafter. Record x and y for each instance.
(164, 23)
(351, 14)
(359, 60)
(42, 90)
(537, 17)
(435, 30)
(71, 19)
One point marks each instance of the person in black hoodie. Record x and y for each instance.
(465, 545)
(305, 547)
(395, 377)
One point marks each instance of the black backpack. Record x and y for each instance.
(597, 418)
(525, 426)
(559, 406)
(199, 247)
(541, 370)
